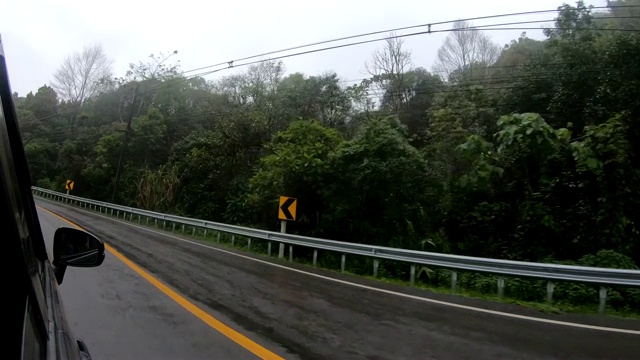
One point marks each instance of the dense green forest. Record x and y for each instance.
(526, 151)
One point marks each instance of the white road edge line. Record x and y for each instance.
(413, 297)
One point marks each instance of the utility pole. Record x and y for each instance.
(124, 145)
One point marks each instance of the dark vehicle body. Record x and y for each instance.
(35, 316)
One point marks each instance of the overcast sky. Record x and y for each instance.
(39, 34)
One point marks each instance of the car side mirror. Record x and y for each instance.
(75, 247)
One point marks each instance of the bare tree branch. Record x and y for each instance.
(465, 49)
(83, 75)
(388, 66)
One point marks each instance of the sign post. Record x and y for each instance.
(69, 186)
(283, 229)
(286, 212)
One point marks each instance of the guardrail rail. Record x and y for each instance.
(549, 272)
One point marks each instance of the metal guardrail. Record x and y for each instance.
(601, 276)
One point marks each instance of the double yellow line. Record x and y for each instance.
(225, 330)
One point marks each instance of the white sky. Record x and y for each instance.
(39, 34)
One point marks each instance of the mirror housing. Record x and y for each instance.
(77, 248)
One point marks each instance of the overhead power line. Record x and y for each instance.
(491, 27)
(427, 25)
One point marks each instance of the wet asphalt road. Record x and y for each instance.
(295, 315)
(120, 315)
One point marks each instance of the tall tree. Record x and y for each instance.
(44, 103)
(82, 75)
(465, 49)
(316, 97)
(387, 68)
(143, 81)
(622, 14)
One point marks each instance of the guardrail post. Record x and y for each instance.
(269, 248)
(131, 217)
(249, 244)
(173, 227)
(147, 223)
(376, 263)
(139, 219)
(500, 286)
(205, 232)
(603, 300)
(155, 222)
(454, 281)
(183, 228)
(112, 212)
(164, 224)
(218, 239)
(315, 257)
(550, 287)
(233, 240)
(194, 232)
(343, 260)
(118, 214)
(412, 274)
(290, 252)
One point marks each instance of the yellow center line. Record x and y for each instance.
(225, 330)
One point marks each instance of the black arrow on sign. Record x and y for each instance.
(69, 182)
(285, 208)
